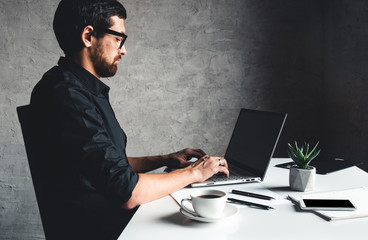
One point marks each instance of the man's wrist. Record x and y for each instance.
(195, 173)
(165, 159)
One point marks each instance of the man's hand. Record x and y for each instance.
(207, 166)
(180, 159)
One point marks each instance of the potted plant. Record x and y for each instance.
(302, 176)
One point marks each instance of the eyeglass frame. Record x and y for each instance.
(115, 33)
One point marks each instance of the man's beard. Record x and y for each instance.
(102, 67)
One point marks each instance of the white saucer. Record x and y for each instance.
(229, 211)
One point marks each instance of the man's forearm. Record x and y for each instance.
(176, 160)
(154, 186)
(148, 163)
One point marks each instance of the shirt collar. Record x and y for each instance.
(95, 85)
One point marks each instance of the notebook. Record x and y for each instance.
(325, 166)
(251, 147)
(358, 195)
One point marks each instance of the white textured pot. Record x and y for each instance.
(302, 179)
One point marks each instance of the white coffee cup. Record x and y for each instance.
(206, 203)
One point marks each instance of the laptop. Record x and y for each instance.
(251, 147)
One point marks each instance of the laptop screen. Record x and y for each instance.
(254, 140)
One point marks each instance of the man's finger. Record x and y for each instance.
(225, 171)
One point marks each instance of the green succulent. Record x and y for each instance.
(302, 156)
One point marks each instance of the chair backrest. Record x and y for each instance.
(25, 119)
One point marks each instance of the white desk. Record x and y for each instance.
(161, 219)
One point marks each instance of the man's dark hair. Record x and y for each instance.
(72, 16)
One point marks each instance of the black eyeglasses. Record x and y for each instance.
(122, 35)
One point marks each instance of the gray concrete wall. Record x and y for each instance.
(191, 66)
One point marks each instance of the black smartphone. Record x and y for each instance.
(327, 204)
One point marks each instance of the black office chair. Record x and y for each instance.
(24, 116)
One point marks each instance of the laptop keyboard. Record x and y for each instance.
(222, 177)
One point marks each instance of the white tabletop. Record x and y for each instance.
(162, 219)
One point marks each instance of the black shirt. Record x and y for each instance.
(83, 158)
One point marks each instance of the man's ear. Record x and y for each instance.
(86, 36)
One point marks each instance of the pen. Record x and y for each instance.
(249, 203)
(249, 194)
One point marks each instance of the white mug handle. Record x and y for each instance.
(187, 209)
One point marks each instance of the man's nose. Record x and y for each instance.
(123, 50)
